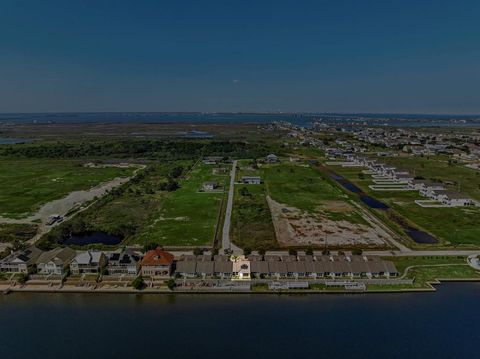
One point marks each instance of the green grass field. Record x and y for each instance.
(187, 217)
(252, 225)
(27, 184)
(453, 226)
(428, 269)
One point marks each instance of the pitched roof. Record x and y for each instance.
(88, 257)
(296, 267)
(157, 257)
(259, 267)
(124, 258)
(58, 255)
(186, 266)
(221, 258)
(278, 267)
(28, 256)
(222, 267)
(254, 257)
(205, 267)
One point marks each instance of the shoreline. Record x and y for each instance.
(7, 289)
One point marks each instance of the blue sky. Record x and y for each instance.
(408, 56)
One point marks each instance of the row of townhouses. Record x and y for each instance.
(277, 267)
(433, 190)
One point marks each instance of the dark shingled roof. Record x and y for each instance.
(278, 267)
(259, 267)
(186, 266)
(205, 267)
(223, 267)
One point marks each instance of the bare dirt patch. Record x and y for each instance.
(296, 228)
(336, 206)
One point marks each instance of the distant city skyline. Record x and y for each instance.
(372, 57)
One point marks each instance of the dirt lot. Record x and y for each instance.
(296, 228)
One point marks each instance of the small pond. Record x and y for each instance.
(417, 235)
(420, 236)
(12, 141)
(93, 238)
(372, 202)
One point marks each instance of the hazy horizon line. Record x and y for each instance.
(249, 112)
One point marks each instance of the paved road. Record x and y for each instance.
(391, 236)
(226, 244)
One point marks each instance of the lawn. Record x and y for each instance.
(428, 269)
(27, 184)
(424, 275)
(453, 226)
(403, 262)
(187, 216)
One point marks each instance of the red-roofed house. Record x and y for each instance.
(157, 263)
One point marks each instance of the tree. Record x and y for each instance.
(18, 245)
(138, 283)
(262, 251)
(176, 172)
(244, 192)
(357, 252)
(150, 245)
(325, 252)
(22, 278)
(247, 251)
(309, 252)
(171, 284)
(172, 185)
(292, 252)
(198, 251)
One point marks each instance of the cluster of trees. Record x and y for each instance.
(165, 149)
(244, 192)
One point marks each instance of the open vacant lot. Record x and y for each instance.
(28, 184)
(308, 210)
(188, 216)
(252, 225)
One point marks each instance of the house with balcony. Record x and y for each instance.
(157, 262)
(88, 262)
(20, 262)
(55, 261)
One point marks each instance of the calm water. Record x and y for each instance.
(13, 141)
(444, 324)
(302, 119)
(417, 235)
